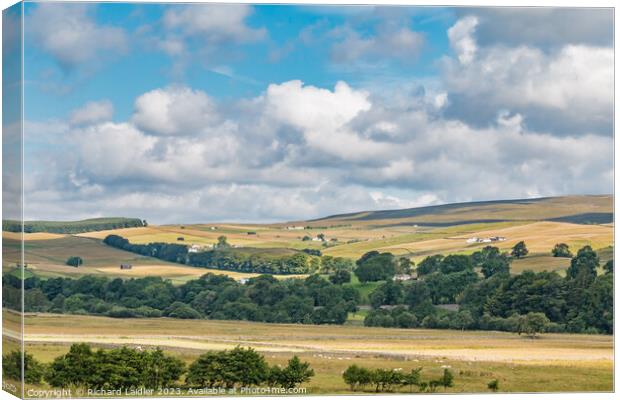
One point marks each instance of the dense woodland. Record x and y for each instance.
(496, 300)
(457, 291)
(310, 301)
(70, 227)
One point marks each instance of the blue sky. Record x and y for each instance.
(271, 113)
(254, 65)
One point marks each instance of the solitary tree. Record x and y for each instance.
(222, 243)
(75, 261)
(519, 250)
(561, 250)
(493, 385)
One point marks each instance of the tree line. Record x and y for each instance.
(127, 368)
(386, 380)
(313, 300)
(70, 227)
(225, 257)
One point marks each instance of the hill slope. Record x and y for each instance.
(585, 209)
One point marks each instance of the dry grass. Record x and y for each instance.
(31, 236)
(553, 362)
(179, 272)
(351, 340)
(540, 237)
(530, 210)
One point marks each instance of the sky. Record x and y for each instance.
(200, 113)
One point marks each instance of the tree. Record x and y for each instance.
(493, 385)
(389, 293)
(160, 370)
(321, 236)
(533, 323)
(405, 265)
(446, 380)
(244, 366)
(487, 253)
(374, 266)
(340, 276)
(222, 243)
(12, 367)
(182, 311)
(75, 261)
(418, 299)
(519, 250)
(609, 267)
(462, 320)
(356, 377)
(583, 266)
(495, 265)
(455, 263)
(561, 250)
(35, 301)
(412, 378)
(293, 374)
(429, 265)
(120, 368)
(77, 367)
(206, 370)
(228, 368)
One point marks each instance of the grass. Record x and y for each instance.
(365, 289)
(47, 257)
(539, 262)
(412, 242)
(553, 362)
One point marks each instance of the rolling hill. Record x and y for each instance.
(414, 233)
(587, 209)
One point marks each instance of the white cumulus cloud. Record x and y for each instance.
(70, 33)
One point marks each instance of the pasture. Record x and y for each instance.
(541, 223)
(552, 362)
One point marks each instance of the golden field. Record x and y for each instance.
(551, 362)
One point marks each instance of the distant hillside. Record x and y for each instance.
(576, 209)
(70, 227)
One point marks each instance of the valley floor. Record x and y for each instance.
(551, 362)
